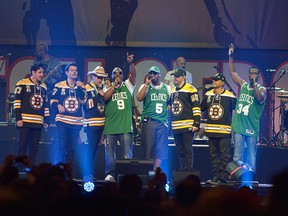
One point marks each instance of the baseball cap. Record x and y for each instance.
(154, 69)
(219, 76)
(98, 71)
(179, 72)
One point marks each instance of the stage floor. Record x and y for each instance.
(270, 159)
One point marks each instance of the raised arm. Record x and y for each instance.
(132, 69)
(235, 77)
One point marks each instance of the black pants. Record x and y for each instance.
(28, 142)
(220, 153)
(94, 135)
(184, 146)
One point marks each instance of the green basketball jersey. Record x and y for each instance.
(118, 110)
(155, 103)
(246, 117)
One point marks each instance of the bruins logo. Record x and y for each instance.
(71, 104)
(177, 107)
(216, 111)
(36, 101)
(100, 107)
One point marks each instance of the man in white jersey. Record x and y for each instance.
(118, 117)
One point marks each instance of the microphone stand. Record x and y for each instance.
(273, 87)
(230, 89)
(1, 65)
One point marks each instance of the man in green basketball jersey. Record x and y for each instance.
(118, 117)
(247, 114)
(154, 120)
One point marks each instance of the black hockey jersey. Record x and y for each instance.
(94, 107)
(219, 113)
(185, 108)
(31, 103)
(71, 98)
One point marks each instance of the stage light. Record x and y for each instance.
(239, 171)
(167, 187)
(89, 186)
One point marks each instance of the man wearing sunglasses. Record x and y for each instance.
(118, 127)
(94, 116)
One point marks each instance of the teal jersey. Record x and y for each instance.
(156, 102)
(118, 110)
(248, 111)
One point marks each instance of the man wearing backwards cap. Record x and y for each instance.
(118, 125)
(219, 104)
(185, 116)
(94, 116)
(154, 137)
(246, 118)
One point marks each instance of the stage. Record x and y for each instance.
(270, 159)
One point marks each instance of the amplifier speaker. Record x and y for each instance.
(133, 166)
(179, 175)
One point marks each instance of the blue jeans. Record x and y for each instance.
(239, 146)
(126, 145)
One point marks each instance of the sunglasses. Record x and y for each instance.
(99, 77)
(153, 73)
(117, 72)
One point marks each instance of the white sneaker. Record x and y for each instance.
(110, 178)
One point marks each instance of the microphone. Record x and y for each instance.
(6, 55)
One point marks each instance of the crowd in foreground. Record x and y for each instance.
(49, 189)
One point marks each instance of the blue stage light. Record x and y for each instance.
(89, 186)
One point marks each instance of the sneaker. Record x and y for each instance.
(110, 178)
(214, 181)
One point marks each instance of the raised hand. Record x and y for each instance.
(130, 58)
(231, 49)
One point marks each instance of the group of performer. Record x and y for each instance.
(108, 113)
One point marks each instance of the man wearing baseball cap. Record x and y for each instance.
(118, 127)
(219, 104)
(154, 119)
(94, 117)
(180, 63)
(185, 117)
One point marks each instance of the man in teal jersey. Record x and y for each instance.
(247, 114)
(118, 117)
(154, 134)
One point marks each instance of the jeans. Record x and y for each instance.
(126, 145)
(67, 142)
(154, 138)
(239, 146)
